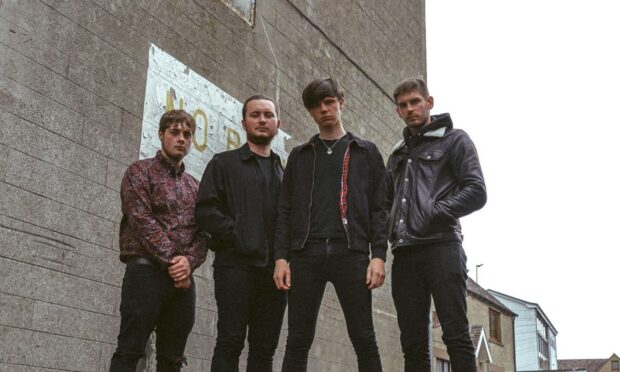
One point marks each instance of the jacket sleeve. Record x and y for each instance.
(378, 213)
(471, 194)
(136, 208)
(283, 229)
(212, 216)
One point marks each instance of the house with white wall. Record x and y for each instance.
(535, 335)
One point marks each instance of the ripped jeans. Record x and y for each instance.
(150, 301)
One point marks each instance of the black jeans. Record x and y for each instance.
(311, 269)
(438, 270)
(247, 301)
(150, 301)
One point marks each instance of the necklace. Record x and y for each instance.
(329, 148)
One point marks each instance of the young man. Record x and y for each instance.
(236, 206)
(330, 218)
(434, 178)
(161, 247)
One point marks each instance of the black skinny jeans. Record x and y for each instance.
(417, 274)
(311, 269)
(247, 302)
(150, 301)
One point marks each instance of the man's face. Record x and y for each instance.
(414, 109)
(261, 121)
(176, 141)
(327, 113)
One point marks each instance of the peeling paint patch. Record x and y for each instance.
(170, 84)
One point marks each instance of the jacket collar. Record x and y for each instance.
(168, 166)
(438, 127)
(247, 154)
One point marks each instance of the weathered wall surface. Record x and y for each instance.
(73, 92)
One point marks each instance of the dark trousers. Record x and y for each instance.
(150, 301)
(247, 302)
(417, 274)
(346, 270)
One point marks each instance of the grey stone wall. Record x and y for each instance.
(72, 88)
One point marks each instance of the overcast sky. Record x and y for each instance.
(536, 85)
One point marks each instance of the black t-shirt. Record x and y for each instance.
(325, 219)
(269, 185)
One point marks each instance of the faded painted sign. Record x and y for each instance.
(172, 85)
(245, 8)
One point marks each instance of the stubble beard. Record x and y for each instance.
(260, 140)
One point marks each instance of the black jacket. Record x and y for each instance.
(433, 179)
(364, 222)
(229, 207)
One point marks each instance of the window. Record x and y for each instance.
(543, 343)
(615, 365)
(495, 326)
(442, 365)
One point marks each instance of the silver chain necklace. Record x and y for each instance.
(329, 148)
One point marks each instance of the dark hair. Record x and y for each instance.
(176, 116)
(254, 98)
(318, 89)
(411, 85)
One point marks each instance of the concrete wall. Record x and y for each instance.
(73, 80)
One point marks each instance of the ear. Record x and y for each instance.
(243, 125)
(279, 123)
(160, 134)
(341, 101)
(430, 101)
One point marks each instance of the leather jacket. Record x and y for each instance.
(433, 179)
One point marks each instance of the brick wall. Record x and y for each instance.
(72, 91)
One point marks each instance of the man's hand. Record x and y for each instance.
(179, 269)
(375, 273)
(282, 275)
(183, 284)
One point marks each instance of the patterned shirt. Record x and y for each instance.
(158, 213)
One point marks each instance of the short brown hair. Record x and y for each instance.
(256, 97)
(177, 116)
(411, 85)
(318, 89)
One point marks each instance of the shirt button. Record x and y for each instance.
(406, 179)
(404, 200)
(428, 156)
(409, 161)
(401, 220)
(400, 240)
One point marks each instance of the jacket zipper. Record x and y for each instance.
(310, 206)
(262, 196)
(344, 219)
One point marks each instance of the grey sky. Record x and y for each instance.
(536, 85)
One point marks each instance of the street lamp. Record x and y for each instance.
(477, 266)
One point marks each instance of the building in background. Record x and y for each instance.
(491, 328)
(610, 364)
(81, 83)
(535, 335)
